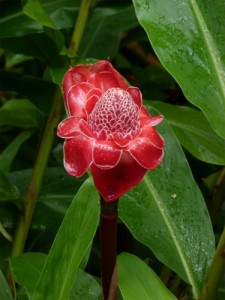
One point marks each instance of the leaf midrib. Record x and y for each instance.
(212, 49)
(67, 275)
(188, 271)
(196, 131)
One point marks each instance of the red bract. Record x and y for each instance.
(108, 130)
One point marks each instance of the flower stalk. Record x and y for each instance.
(80, 25)
(108, 238)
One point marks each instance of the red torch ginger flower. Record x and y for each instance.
(108, 130)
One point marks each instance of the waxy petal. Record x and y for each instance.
(92, 98)
(68, 128)
(105, 66)
(77, 155)
(120, 140)
(75, 76)
(85, 128)
(103, 81)
(105, 156)
(94, 91)
(145, 153)
(136, 95)
(146, 119)
(152, 135)
(76, 99)
(115, 182)
(102, 135)
(151, 121)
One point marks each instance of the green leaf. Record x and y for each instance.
(4, 291)
(27, 269)
(38, 91)
(7, 190)
(57, 37)
(44, 46)
(13, 22)
(85, 288)
(70, 245)
(194, 132)
(36, 11)
(14, 59)
(189, 41)
(9, 153)
(167, 213)
(103, 31)
(19, 112)
(57, 74)
(137, 281)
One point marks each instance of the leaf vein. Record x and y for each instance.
(182, 256)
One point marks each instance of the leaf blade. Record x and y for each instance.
(194, 132)
(9, 153)
(75, 241)
(190, 46)
(137, 281)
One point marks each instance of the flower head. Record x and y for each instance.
(108, 130)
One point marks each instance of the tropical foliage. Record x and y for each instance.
(172, 222)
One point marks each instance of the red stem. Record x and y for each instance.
(108, 237)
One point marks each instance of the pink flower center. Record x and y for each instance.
(116, 112)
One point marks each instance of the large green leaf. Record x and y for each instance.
(4, 291)
(194, 132)
(167, 213)
(189, 41)
(137, 281)
(70, 245)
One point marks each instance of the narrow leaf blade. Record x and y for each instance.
(70, 245)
